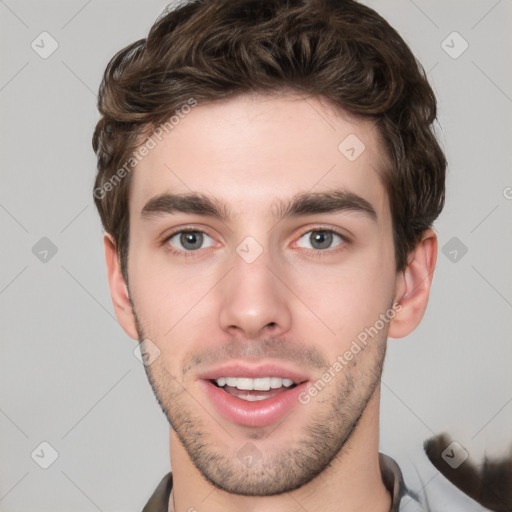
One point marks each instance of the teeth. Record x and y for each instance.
(243, 383)
(259, 384)
(253, 398)
(262, 384)
(276, 382)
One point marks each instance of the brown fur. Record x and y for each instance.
(489, 484)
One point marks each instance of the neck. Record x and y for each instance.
(352, 482)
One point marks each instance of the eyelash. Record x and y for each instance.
(181, 254)
(317, 253)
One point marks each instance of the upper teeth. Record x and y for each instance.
(259, 384)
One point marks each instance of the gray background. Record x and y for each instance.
(68, 374)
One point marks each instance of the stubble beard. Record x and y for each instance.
(287, 468)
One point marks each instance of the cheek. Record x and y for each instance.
(169, 297)
(334, 301)
(156, 292)
(348, 298)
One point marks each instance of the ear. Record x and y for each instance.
(118, 288)
(413, 286)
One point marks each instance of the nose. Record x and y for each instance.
(253, 302)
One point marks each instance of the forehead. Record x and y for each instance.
(253, 151)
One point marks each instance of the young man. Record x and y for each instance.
(268, 177)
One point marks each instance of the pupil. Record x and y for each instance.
(323, 238)
(193, 238)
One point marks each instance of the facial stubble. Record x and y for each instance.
(331, 423)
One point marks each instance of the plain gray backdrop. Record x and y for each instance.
(68, 374)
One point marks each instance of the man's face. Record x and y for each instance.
(258, 295)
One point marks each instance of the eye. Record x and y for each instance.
(322, 239)
(189, 240)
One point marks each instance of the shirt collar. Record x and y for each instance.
(391, 476)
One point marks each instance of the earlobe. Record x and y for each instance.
(118, 289)
(413, 286)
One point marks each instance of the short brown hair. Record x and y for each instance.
(215, 49)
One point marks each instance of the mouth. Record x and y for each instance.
(253, 397)
(254, 390)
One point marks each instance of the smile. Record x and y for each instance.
(253, 397)
(251, 390)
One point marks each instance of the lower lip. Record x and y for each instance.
(253, 414)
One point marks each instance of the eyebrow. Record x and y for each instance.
(308, 203)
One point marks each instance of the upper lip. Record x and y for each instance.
(252, 371)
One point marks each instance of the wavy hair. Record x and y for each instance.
(215, 49)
